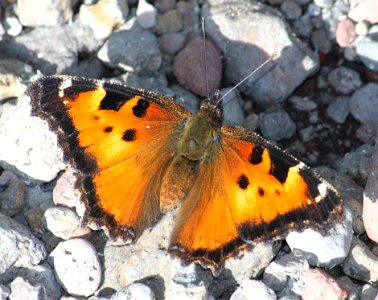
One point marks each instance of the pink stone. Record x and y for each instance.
(64, 192)
(364, 10)
(345, 33)
(370, 203)
(319, 285)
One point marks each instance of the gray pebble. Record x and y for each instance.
(338, 110)
(232, 108)
(364, 104)
(61, 221)
(302, 103)
(276, 125)
(291, 9)
(344, 80)
(367, 50)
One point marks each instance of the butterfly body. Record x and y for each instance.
(138, 154)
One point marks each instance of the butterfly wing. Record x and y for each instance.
(119, 139)
(251, 191)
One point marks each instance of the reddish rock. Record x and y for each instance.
(189, 67)
(345, 33)
(364, 10)
(319, 285)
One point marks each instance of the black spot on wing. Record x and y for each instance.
(113, 100)
(140, 110)
(256, 155)
(129, 135)
(243, 181)
(108, 129)
(279, 168)
(261, 191)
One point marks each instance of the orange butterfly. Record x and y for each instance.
(139, 154)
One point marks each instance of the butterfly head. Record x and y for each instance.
(211, 106)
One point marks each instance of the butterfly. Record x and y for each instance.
(139, 154)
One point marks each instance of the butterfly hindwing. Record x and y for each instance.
(119, 141)
(252, 191)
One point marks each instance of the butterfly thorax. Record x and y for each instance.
(201, 135)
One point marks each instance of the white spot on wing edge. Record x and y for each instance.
(322, 188)
(67, 82)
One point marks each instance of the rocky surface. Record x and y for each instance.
(317, 97)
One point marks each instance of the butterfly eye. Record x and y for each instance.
(218, 111)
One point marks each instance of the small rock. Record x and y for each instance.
(77, 267)
(367, 50)
(146, 14)
(320, 41)
(104, 16)
(319, 285)
(134, 291)
(345, 33)
(18, 247)
(251, 122)
(34, 219)
(365, 10)
(259, 290)
(303, 25)
(323, 250)
(366, 133)
(344, 80)
(369, 292)
(338, 110)
(186, 98)
(370, 204)
(291, 9)
(172, 42)
(64, 192)
(171, 21)
(276, 125)
(189, 69)
(22, 289)
(132, 48)
(286, 274)
(61, 221)
(356, 208)
(364, 104)
(12, 199)
(232, 108)
(302, 103)
(307, 133)
(314, 10)
(361, 263)
(324, 3)
(51, 13)
(12, 26)
(356, 164)
(164, 5)
(362, 28)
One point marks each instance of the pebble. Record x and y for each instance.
(276, 125)
(323, 250)
(369, 292)
(356, 164)
(362, 28)
(38, 280)
(186, 98)
(77, 267)
(319, 285)
(18, 246)
(233, 114)
(361, 263)
(132, 48)
(302, 103)
(163, 6)
(245, 47)
(32, 149)
(307, 133)
(172, 42)
(346, 33)
(253, 287)
(12, 26)
(13, 197)
(189, 69)
(134, 291)
(314, 10)
(4, 292)
(366, 133)
(320, 41)
(51, 13)
(103, 16)
(251, 122)
(171, 21)
(64, 192)
(364, 104)
(344, 80)
(285, 274)
(370, 202)
(365, 10)
(338, 110)
(324, 3)
(291, 9)
(61, 221)
(367, 50)
(146, 14)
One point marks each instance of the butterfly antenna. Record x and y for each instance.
(205, 56)
(269, 59)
